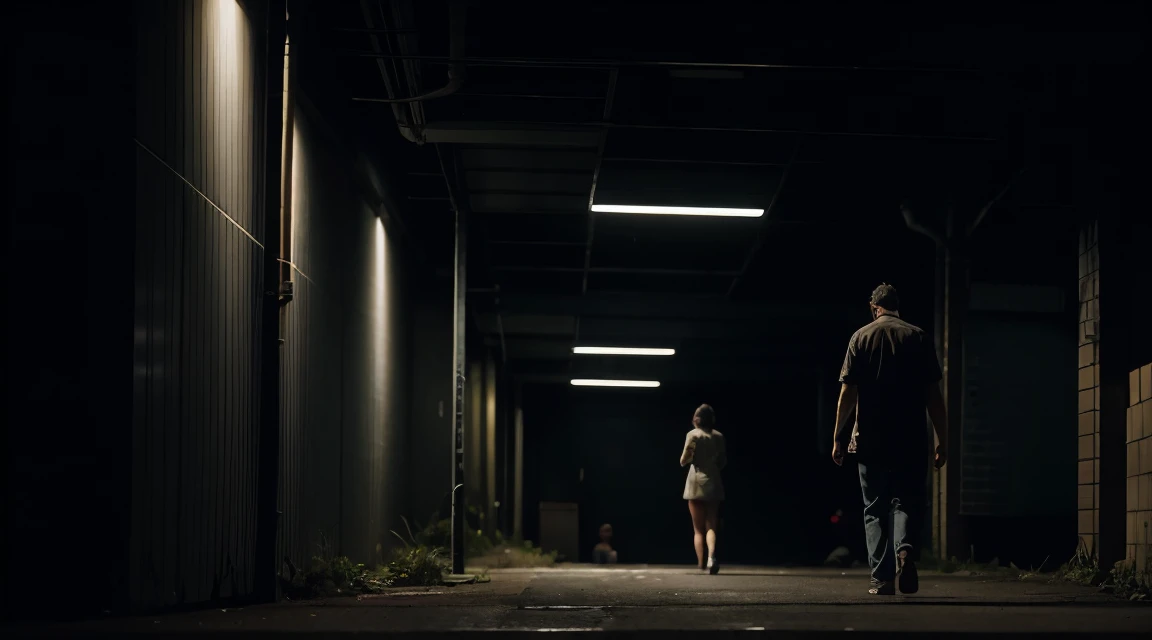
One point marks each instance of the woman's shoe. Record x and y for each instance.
(713, 567)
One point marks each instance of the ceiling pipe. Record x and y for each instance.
(407, 130)
(983, 212)
(457, 11)
(913, 224)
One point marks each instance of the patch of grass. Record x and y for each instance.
(337, 576)
(1131, 581)
(515, 556)
(417, 564)
(1083, 568)
(993, 568)
(328, 575)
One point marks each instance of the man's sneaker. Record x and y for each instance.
(906, 578)
(883, 589)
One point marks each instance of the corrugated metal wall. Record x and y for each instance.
(344, 381)
(199, 133)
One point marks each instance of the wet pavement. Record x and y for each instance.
(666, 601)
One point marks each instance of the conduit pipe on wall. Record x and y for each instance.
(287, 143)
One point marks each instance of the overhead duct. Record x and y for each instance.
(409, 120)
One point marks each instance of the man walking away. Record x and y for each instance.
(890, 375)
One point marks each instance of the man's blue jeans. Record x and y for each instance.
(893, 503)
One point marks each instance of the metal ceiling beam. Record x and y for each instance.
(528, 96)
(686, 161)
(537, 243)
(644, 330)
(672, 306)
(587, 134)
(528, 171)
(626, 270)
(522, 133)
(602, 63)
(667, 372)
(519, 192)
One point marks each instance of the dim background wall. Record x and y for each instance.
(1020, 390)
(68, 238)
(430, 365)
(616, 453)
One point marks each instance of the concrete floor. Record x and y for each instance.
(636, 601)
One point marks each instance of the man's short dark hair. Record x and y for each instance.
(885, 296)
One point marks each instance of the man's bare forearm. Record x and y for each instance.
(844, 408)
(938, 413)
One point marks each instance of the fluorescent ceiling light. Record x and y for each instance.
(649, 384)
(623, 351)
(677, 211)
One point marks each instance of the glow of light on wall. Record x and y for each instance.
(299, 166)
(622, 351)
(677, 211)
(645, 384)
(379, 321)
(228, 57)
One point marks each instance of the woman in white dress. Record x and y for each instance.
(705, 450)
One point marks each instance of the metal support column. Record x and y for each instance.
(266, 563)
(459, 362)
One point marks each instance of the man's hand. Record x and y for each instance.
(941, 456)
(837, 454)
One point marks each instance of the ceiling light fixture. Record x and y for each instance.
(677, 211)
(647, 384)
(623, 351)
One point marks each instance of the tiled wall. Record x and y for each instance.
(1140, 465)
(1088, 473)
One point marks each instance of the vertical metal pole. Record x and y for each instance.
(936, 484)
(459, 361)
(518, 464)
(266, 564)
(955, 301)
(490, 389)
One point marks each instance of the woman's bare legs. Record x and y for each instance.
(699, 511)
(711, 524)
